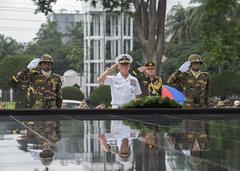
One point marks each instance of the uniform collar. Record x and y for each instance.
(154, 77)
(120, 76)
(46, 74)
(195, 74)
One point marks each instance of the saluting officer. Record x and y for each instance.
(194, 82)
(124, 87)
(150, 84)
(47, 86)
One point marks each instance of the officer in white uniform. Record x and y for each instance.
(124, 87)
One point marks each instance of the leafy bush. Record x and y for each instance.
(149, 102)
(72, 93)
(225, 84)
(102, 94)
(152, 102)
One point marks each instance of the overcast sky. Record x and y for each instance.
(17, 18)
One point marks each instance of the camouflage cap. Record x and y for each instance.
(46, 58)
(195, 58)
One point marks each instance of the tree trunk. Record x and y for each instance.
(151, 37)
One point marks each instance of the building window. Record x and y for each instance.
(126, 46)
(108, 25)
(94, 72)
(108, 50)
(91, 49)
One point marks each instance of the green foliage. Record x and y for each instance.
(211, 29)
(48, 40)
(45, 6)
(74, 48)
(102, 94)
(149, 102)
(9, 66)
(9, 46)
(152, 102)
(225, 84)
(178, 53)
(72, 93)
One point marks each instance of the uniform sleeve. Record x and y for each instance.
(138, 89)
(175, 78)
(109, 80)
(207, 94)
(59, 94)
(20, 76)
(136, 73)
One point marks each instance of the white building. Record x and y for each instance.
(65, 20)
(106, 35)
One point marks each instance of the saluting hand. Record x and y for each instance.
(113, 67)
(34, 63)
(141, 69)
(185, 66)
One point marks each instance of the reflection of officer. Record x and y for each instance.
(193, 82)
(124, 87)
(46, 84)
(150, 84)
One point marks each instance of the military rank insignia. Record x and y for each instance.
(133, 82)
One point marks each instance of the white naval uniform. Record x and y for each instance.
(122, 90)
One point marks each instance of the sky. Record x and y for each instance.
(17, 18)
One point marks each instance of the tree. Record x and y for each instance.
(48, 40)
(149, 17)
(102, 94)
(229, 84)
(220, 31)
(72, 93)
(181, 25)
(211, 29)
(74, 47)
(8, 46)
(10, 66)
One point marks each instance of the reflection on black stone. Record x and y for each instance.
(121, 146)
(149, 155)
(41, 136)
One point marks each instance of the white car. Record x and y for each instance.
(70, 104)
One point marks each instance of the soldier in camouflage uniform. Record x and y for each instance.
(193, 81)
(47, 86)
(21, 88)
(23, 91)
(150, 84)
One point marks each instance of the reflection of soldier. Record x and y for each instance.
(194, 138)
(149, 139)
(46, 84)
(150, 84)
(193, 82)
(46, 155)
(196, 135)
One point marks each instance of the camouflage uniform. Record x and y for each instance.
(23, 92)
(149, 87)
(47, 90)
(195, 86)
